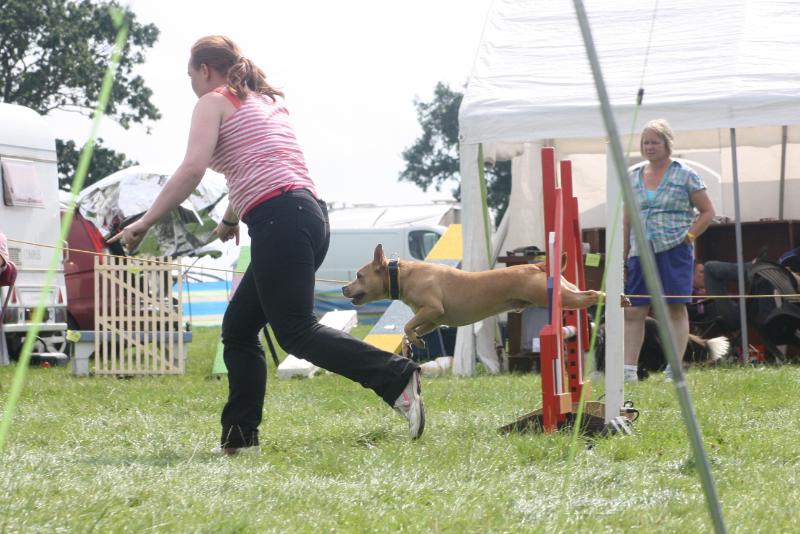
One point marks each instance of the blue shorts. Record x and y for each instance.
(675, 268)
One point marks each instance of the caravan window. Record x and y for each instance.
(21, 183)
(420, 242)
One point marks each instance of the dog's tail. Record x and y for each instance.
(717, 347)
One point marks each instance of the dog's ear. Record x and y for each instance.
(379, 258)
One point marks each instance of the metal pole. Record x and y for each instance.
(784, 140)
(653, 281)
(739, 253)
(615, 386)
(487, 232)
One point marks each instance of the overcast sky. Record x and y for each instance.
(350, 71)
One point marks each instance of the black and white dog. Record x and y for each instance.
(652, 357)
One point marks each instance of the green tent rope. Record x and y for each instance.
(653, 282)
(610, 243)
(77, 184)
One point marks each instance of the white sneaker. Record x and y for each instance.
(253, 450)
(409, 403)
(631, 374)
(668, 374)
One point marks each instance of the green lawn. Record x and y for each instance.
(113, 455)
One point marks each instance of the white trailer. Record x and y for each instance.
(30, 219)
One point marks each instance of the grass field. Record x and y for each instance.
(113, 455)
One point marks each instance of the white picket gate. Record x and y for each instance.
(139, 326)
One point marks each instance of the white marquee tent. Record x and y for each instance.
(709, 67)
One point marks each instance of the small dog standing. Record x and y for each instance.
(442, 295)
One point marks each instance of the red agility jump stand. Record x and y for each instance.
(562, 360)
(562, 377)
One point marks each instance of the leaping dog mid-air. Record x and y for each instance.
(442, 295)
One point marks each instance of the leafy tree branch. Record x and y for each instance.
(433, 159)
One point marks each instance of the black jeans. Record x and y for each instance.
(289, 238)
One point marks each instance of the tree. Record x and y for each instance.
(54, 54)
(104, 162)
(433, 160)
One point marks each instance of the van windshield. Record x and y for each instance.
(420, 242)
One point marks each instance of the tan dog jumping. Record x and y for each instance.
(442, 295)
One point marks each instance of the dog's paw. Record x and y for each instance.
(405, 348)
(414, 339)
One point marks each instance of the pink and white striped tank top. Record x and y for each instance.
(258, 153)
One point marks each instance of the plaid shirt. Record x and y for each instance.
(668, 215)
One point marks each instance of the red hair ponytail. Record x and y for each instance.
(221, 54)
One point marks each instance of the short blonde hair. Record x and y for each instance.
(663, 129)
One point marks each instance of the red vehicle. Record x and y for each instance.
(79, 270)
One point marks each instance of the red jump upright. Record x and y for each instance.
(562, 377)
(565, 340)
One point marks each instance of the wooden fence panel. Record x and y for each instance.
(138, 317)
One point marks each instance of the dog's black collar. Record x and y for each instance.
(394, 286)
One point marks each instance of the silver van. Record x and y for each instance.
(351, 248)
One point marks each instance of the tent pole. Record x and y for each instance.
(784, 140)
(658, 303)
(487, 233)
(615, 333)
(471, 341)
(739, 253)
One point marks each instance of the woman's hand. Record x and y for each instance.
(131, 235)
(225, 232)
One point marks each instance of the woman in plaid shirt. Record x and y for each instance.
(668, 191)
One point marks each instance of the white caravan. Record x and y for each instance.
(30, 219)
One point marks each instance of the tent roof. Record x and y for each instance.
(731, 63)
